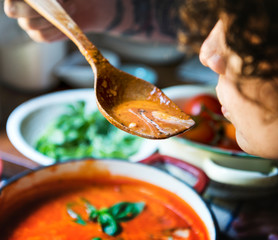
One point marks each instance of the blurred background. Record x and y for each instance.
(29, 69)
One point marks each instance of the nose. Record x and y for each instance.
(213, 49)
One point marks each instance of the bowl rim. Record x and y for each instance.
(19, 114)
(216, 150)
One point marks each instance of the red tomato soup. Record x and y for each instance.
(81, 212)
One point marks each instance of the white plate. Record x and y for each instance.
(77, 72)
(28, 121)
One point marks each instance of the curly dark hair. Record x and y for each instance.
(252, 32)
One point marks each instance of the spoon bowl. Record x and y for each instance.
(130, 103)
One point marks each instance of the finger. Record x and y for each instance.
(254, 224)
(37, 23)
(261, 226)
(261, 232)
(18, 8)
(50, 34)
(273, 237)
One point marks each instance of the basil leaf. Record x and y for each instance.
(109, 224)
(125, 211)
(91, 210)
(77, 218)
(96, 238)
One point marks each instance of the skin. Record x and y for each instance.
(88, 14)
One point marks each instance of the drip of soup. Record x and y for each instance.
(165, 216)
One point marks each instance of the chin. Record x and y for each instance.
(244, 145)
(259, 152)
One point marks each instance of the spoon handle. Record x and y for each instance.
(55, 14)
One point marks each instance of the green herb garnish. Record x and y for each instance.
(77, 134)
(77, 218)
(126, 211)
(110, 218)
(109, 224)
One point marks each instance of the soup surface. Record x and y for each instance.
(64, 213)
(153, 118)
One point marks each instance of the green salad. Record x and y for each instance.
(77, 134)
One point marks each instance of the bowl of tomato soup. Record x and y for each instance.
(104, 199)
(224, 164)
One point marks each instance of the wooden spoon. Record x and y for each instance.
(129, 103)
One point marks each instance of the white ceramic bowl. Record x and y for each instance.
(29, 120)
(222, 166)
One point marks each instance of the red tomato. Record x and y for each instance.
(201, 104)
(210, 127)
(202, 132)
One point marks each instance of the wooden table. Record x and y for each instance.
(14, 161)
(10, 98)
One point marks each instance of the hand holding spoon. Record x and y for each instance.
(131, 104)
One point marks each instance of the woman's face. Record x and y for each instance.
(254, 134)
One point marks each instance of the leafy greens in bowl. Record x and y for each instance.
(66, 125)
(77, 134)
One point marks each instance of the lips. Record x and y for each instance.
(225, 112)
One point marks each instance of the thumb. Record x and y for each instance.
(273, 237)
(18, 8)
